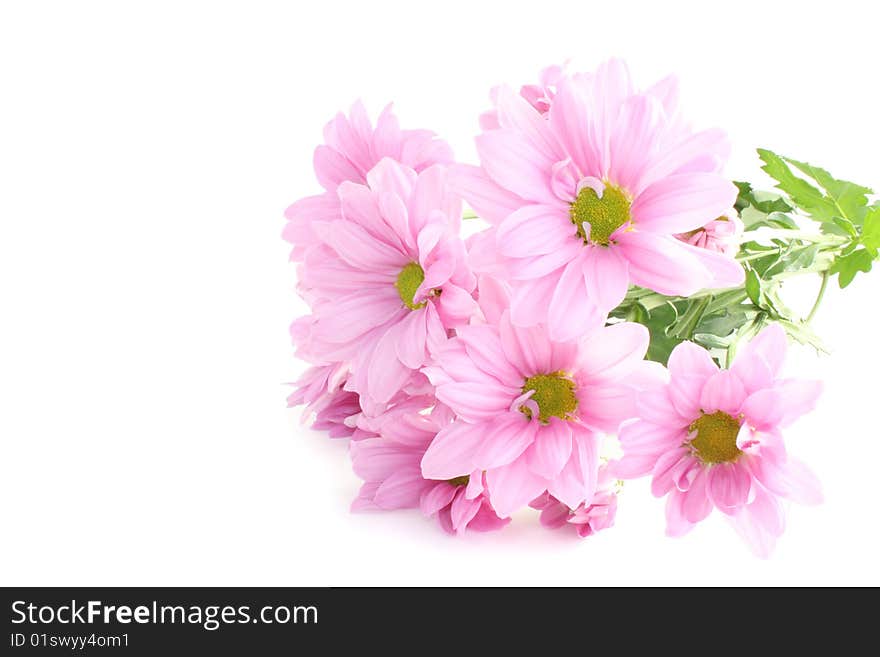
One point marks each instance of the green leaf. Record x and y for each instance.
(848, 198)
(753, 287)
(849, 265)
(871, 229)
(661, 345)
(801, 192)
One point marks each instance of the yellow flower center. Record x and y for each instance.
(554, 395)
(715, 441)
(604, 215)
(408, 281)
(459, 481)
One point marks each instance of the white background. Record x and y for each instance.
(147, 151)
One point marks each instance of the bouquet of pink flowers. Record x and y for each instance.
(617, 315)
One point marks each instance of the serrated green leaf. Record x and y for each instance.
(849, 265)
(848, 198)
(847, 226)
(871, 229)
(804, 195)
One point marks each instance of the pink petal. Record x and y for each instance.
(568, 119)
(634, 135)
(386, 374)
(683, 202)
(577, 480)
(435, 498)
(402, 490)
(512, 162)
(476, 402)
(655, 406)
(798, 398)
(463, 510)
(696, 505)
(662, 264)
(526, 348)
(430, 194)
(515, 112)
(504, 439)
(606, 276)
(789, 478)
(611, 353)
(725, 271)
(605, 407)
(728, 487)
(678, 157)
(513, 486)
(550, 449)
(676, 522)
(534, 230)
(723, 392)
(393, 177)
(360, 249)
(331, 168)
(483, 345)
(411, 339)
(760, 523)
(455, 305)
(451, 454)
(488, 199)
(769, 346)
(494, 297)
(662, 480)
(572, 313)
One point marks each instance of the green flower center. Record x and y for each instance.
(463, 480)
(604, 215)
(408, 281)
(554, 395)
(715, 441)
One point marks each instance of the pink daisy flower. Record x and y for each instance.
(387, 279)
(390, 467)
(531, 411)
(589, 199)
(352, 148)
(586, 519)
(712, 439)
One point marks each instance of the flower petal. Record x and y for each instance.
(451, 452)
(661, 263)
(551, 448)
(513, 486)
(504, 440)
(683, 202)
(612, 352)
(723, 391)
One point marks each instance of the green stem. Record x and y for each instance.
(825, 276)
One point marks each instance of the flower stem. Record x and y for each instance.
(825, 276)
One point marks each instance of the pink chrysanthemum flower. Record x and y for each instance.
(586, 519)
(531, 411)
(388, 279)
(712, 438)
(588, 199)
(390, 467)
(352, 148)
(722, 235)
